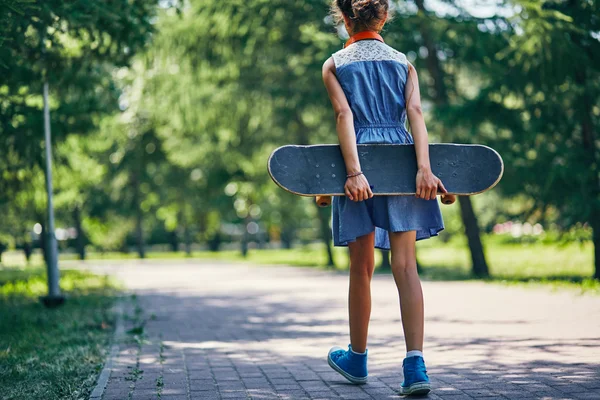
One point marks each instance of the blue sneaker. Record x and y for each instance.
(416, 381)
(351, 365)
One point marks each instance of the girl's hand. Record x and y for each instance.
(357, 188)
(428, 184)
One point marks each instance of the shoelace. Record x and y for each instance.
(338, 354)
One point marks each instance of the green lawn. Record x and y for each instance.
(311, 255)
(52, 353)
(516, 261)
(570, 264)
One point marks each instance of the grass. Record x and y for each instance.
(559, 266)
(535, 260)
(53, 353)
(310, 256)
(569, 265)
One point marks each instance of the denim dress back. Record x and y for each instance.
(373, 77)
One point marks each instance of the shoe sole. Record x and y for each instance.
(419, 388)
(351, 378)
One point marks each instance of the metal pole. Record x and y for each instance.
(54, 297)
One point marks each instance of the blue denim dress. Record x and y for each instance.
(373, 76)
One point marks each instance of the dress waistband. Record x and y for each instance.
(358, 125)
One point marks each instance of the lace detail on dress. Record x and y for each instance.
(368, 50)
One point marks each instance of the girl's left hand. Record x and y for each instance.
(428, 184)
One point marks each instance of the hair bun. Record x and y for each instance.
(367, 11)
(363, 10)
(366, 14)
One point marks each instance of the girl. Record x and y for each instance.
(373, 88)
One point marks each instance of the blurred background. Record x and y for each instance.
(163, 115)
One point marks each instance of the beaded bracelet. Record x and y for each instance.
(353, 175)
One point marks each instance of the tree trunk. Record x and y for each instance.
(434, 67)
(27, 250)
(287, 235)
(139, 219)
(323, 214)
(174, 241)
(480, 268)
(596, 233)
(433, 62)
(214, 243)
(589, 144)
(139, 234)
(385, 261)
(244, 243)
(3, 248)
(80, 240)
(188, 240)
(245, 237)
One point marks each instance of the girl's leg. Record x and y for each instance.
(352, 363)
(362, 263)
(404, 268)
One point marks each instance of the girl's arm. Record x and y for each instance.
(427, 183)
(356, 188)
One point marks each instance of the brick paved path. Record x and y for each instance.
(221, 331)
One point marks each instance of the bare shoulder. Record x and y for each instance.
(329, 65)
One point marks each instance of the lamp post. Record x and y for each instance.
(54, 297)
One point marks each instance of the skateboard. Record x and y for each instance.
(319, 170)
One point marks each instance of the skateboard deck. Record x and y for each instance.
(391, 169)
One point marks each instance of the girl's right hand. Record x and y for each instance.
(357, 188)
(428, 184)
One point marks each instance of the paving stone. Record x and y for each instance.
(233, 331)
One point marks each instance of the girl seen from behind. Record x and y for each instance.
(373, 90)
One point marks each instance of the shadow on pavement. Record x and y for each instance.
(261, 347)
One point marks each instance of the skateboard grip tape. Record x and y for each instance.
(323, 201)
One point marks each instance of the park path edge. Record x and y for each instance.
(119, 332)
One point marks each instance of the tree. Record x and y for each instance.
(444, 48)
(539, 106)
(253, 77)
(72, 45)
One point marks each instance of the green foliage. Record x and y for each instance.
(71, 44)
(74, 46)
(249, 96)
(177, 138)
(52, 354)
(540, 109)
(524, 80)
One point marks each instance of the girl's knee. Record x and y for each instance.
(403, 263)
(362, 268)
